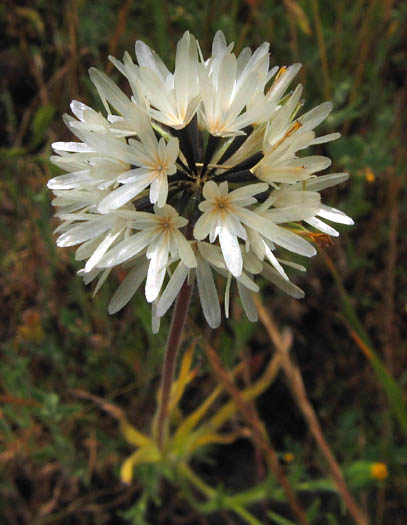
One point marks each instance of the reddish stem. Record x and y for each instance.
(170, 358)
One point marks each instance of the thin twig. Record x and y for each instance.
(298, 390)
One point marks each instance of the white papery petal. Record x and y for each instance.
(294, 99)
(325, 181)
(279, 87)
(157, 268)
(252, 263)
(171, 212)
(231, 251)
(148, 57)
(280, 236)
(273, 260)
(247, 302)
(247, 282)
(286, 286)
(127, 288)
(300, 140)
(162, 191)
(107, 89)
(211, 190)
(204, 225)
(292, 242)
(101, 281)
(226, 82)
(172, 289)
(126, 249)
(160, 97)
(334, 215)
(227, 295)
(287, 175)
(242, 60)
(248, 191)
(223, 188)
(313, 163)
(130, 176)
(83, 232)
(212, 254)
(120, 65)
(208, 294)
(72, 161)
(321, 226)
(123, 194)
(184, 249)
(78, 109)
(206, 205)
(296, 198)
(90, 276)
(70, 181)
(79, 147)
(85, 250)
(155, 191)
(256, 244)
(155, 320)
(315, 116)
(102, 249)
(219, 45)
(186, 76)
(291, 264)
(108, 146)
(325, 138)
(289, 214)
(236, 227)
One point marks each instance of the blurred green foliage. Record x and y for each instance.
(60, 453)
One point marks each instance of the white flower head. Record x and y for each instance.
(200, 172)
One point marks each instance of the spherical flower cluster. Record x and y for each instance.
(198, 173)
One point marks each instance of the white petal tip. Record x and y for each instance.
(151, 296)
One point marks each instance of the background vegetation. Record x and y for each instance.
(60, 451)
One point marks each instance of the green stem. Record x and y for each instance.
(210, 493)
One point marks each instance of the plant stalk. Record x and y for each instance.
(300, 396)
(259, 434)
(170, 358)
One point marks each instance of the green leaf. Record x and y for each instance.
(279, 519)
(391, 388)
(42, 118)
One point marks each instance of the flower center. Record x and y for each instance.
(222, 204)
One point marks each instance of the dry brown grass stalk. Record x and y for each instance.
(259, 433)
(118, 32)
(296, 385)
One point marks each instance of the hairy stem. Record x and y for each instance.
(170, 358)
